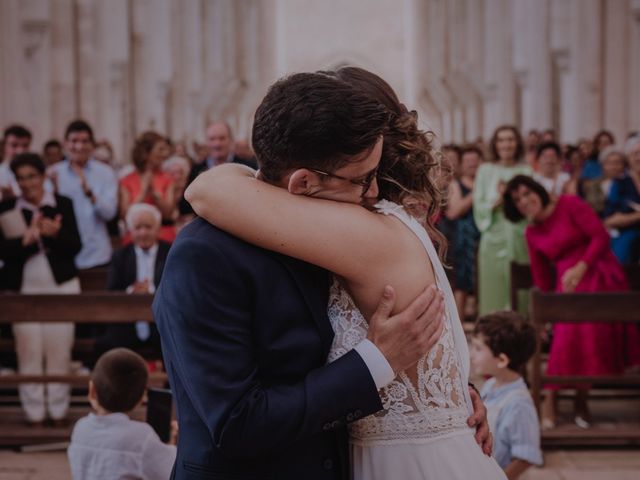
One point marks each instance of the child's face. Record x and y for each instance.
(483, 361)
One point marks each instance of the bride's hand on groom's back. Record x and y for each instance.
(407, 336)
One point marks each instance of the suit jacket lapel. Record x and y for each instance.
(131, 266)
(161, 257)
(313, 284)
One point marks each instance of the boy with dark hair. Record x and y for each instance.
(108, 444)
(501, 345)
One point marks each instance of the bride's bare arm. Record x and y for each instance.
(341, 237)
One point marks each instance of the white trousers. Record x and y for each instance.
(44, 348)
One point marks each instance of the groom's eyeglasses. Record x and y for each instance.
(364, 182)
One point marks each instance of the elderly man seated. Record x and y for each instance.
(137, 268)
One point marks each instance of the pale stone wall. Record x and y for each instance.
(174, 65)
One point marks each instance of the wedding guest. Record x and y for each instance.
(16, 139)
(52, 152)
(595, 191)
(549, 172)
(219, 149)
(178, 168)
(149, 184)
(548, 136)
(93, 188)
(136, 268)
(501, 242)
(592, 167)
(452, 154)
(180, 150)
(108, 444)
(565, 235)
(465, 233)
(103, 152)
(531, 143)
(572, 164)
(622, 209)
(501, 345)
(38, 241)
(447, 173)
(244, 150)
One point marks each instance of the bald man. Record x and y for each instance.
(219, 140)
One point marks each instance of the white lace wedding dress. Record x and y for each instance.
(422, 432)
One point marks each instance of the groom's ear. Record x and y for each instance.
(302, 182)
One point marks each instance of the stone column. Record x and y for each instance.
(532, 63)
(500, 87)
(188, 45)
(152, 63)
(26, 43)
(87, 60)
(616, 55)
(634, 66)
(114, 89)
(585, 94)
(64, 84)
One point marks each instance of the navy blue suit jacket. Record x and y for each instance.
(245, 338)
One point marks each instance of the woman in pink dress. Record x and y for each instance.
(566, 236)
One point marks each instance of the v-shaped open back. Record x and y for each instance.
(431, 398)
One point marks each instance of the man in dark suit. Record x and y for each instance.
(221, 150)
(245, 335)
(136, 268)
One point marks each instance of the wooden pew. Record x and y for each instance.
(521, 279)
(94, 307)
(93, 280)
(577, 308)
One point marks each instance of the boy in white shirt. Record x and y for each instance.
(501, 345)
(107, 444)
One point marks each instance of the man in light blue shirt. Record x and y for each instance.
(93, 188)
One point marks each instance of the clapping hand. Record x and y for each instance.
(141, 287)
(146, 186)
(50, 227)
(501, 187)
(32, 235)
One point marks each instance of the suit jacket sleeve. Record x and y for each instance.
(12, 248)
(116, 276)
(205, 314)
(68, 239)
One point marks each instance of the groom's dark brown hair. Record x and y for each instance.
(312, 120)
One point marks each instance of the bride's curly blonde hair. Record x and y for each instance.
(410, 163)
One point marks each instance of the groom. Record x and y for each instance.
(245, 333)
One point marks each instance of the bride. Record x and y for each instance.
(422, 431)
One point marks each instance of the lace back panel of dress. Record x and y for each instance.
(424, 402)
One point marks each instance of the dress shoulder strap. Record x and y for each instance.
(387, 207)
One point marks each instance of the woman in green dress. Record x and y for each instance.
(501, 242)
